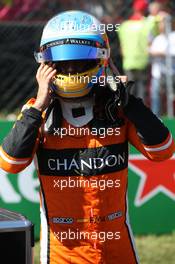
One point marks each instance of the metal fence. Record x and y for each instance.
(17, 64)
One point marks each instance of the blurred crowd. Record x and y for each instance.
(147, 40)
(143, 48)
(43, 9)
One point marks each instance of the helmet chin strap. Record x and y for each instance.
(77, 112)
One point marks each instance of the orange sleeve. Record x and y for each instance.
(159, 152)
(15, 165)
(13, 158)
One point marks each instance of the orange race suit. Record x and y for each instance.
(83, 178)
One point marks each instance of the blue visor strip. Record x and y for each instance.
(68, 52)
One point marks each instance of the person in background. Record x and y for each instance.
(133, 36)
(5, 8)
(154, 10)
(18, 9)
(161, 45)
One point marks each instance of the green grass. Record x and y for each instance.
(36, 253)
(151, 249)
(156, 249)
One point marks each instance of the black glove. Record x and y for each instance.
(119, 98)
(111, 98)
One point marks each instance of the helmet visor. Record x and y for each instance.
(70, 52)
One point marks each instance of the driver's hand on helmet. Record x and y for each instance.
(44, 76)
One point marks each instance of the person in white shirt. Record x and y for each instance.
(161, 45)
